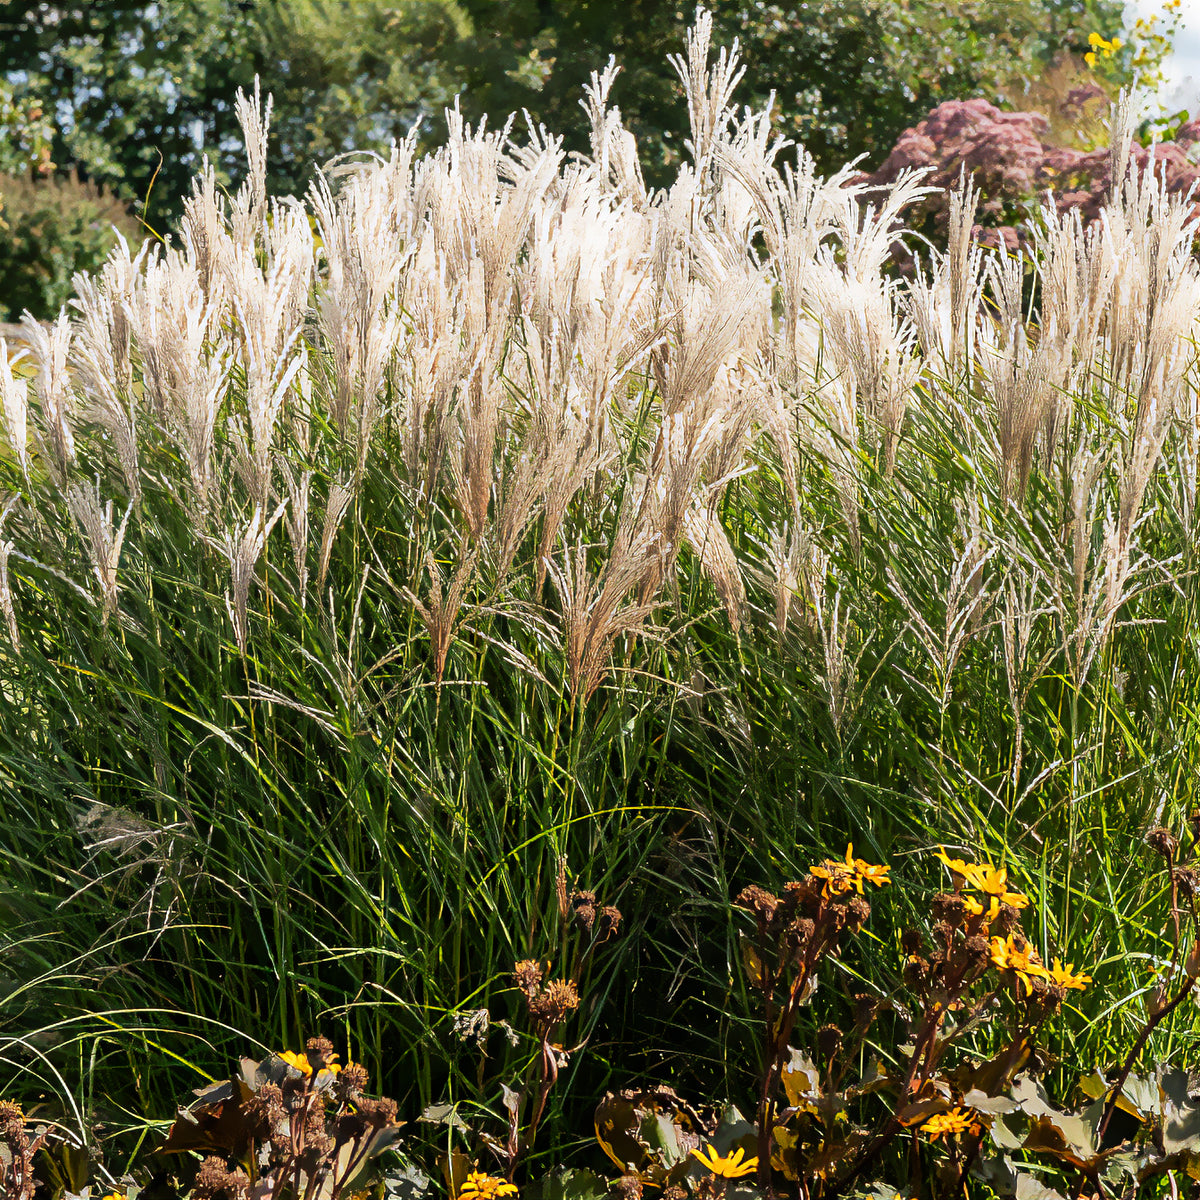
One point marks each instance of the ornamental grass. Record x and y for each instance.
(488, 560)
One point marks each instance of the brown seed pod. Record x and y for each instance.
(949, 908)
(1162, 841)
(829, 1042)
(858, 911)
(528, 975)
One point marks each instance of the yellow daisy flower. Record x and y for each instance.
(299, 1062)
(1023, 960)
(994, 882)
(727, 1166)
(843, 875)
(957, 865)
(481, 1186)
(1065, 979)
(948, 1124)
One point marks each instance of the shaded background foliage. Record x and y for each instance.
(138, 92)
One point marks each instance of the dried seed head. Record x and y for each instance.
(354, 1077)
(1055, 995)
(628, 1187)
(379, 1112)
(215, 1180)
(799, 934)
(836, 916)
(858, 911)
(1006, 920)
(12, 1121)
(977, 951)
(1162, 841)
(1187, 879)
(916, 972)
(583, 906)
(911, 941)
(864, 1009)
(949, 908)
(829, 1042)
(804, 895)
(555, 1002)
(270, 1098)
(610, 922)
(314, 1127)
(211, 1175)
(1037, 986)
(760, 902)
(528, 975)
(319, 1052)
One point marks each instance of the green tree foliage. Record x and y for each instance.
(137, 89)
(51, 225)
(354, 76)
(849, 75)
(49, 229)
(141, 90)
(26, 132)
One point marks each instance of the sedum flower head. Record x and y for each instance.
(727, 1166)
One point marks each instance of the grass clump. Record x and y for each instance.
(937, 1085)
(380, 572)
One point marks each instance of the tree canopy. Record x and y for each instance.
(140, 90)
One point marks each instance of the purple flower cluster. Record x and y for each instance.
(1016, 167)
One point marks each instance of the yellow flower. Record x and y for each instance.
(1063, 977)
(865, 870)
(947, 1124)
(1023, 960)
(481, 1186)
(299, 1062)
(114, 1196)
(1107, 48)
(727, 1166)
(994, 881)
(842, 875)
(837, 878)
(957, 865)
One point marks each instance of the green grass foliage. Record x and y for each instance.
(377, 570)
